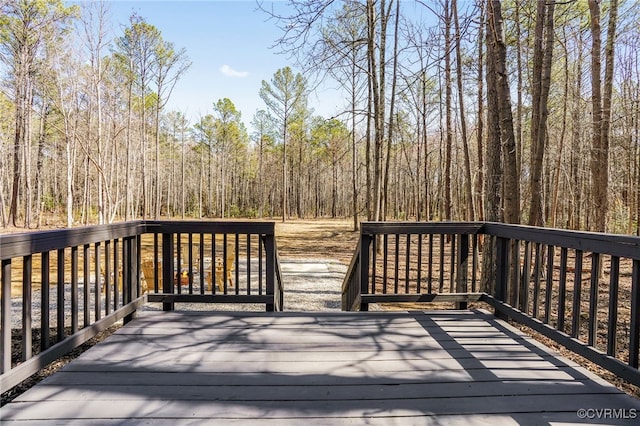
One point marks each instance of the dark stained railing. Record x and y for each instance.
(214, 262)
(62, 287)
(413, 262)
(580, 289)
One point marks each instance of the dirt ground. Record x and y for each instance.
(317, 239)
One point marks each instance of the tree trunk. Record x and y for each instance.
(511, 179)
(561, 141)
(448, 113)
(493, 182)
(129, 159)
(469, 213)
(284, 172)
(519, 89)
(40, 162)
(354, 152)
(541, 82)
(27, 158)
(158, 186)
(377, 73)
(606, 115)
(18, 141)
(601, 111)
(369, 184)
(394, 79)
(480, 132)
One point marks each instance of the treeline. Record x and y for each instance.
(478, 110)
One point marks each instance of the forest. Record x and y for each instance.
(510, 111)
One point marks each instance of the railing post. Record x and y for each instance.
(363, 270)
(269, 247)
(74, 289)
(138, 264)
(167, 268)
(60, 293)
(27, 303)
(502, 270)
(634, 333)
(130, 273)
(45, 283)
(463, 265)
(5, 318)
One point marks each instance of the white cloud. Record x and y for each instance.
(230, 72)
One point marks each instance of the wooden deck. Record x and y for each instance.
(451, 367)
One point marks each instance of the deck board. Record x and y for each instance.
(321, 368)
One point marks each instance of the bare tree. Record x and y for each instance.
(480, 118)
(542, 57)
(601, 110)
(282, 97)
(170, 65)
(264, 137)
(511, 192)
(469, 211)
(24, 29)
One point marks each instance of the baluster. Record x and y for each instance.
(396, 264)
(74, 289)
(549, 286)
(441, 288)
(27, 303)
(97, 283)
(190, 260)
(44, 301)
(248, 264)
(419, 265)
(237, 263)
(634, 332)
(167, 268)
(385, 260)
(85, 286)
(407, 264)
(577, 294)
(60, 309)
(562, 288)
(107, 277)
(5, 319)
(612, 325)
(593, 298)
(201, 264)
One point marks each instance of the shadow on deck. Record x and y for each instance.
(445, 367)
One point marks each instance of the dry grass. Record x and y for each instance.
(322, 238)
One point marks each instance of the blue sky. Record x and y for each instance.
(229, 44)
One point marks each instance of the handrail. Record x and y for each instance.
(27, 243)
(613, 244)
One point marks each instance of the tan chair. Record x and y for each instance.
(222, 275)
(149, 272)
(143, 282)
